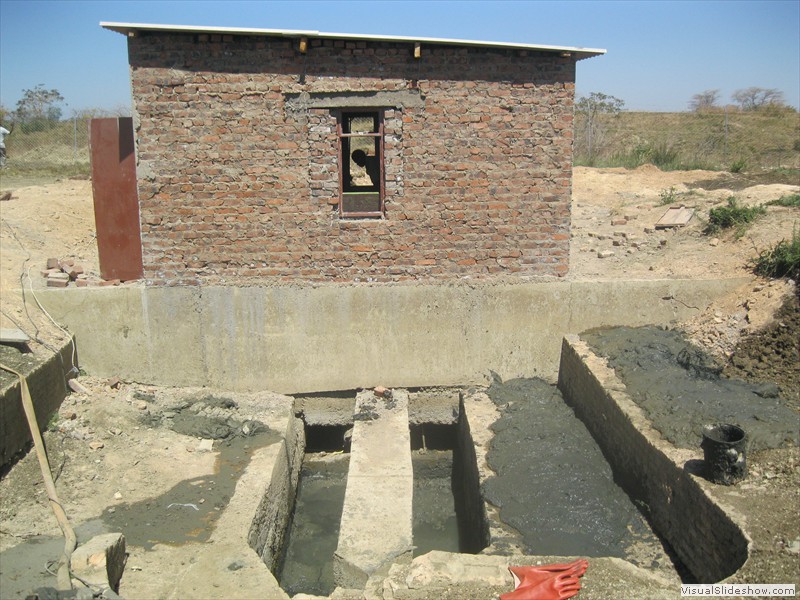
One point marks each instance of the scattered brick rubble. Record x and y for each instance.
(60, 273)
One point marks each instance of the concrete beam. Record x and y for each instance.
(47, 383)
(376, 525)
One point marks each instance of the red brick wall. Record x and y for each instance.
(236, 183)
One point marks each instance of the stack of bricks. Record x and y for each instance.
(60, 273)
(236, 184)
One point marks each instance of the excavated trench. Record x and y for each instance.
(555, 491)
(314, 560)
(369, 478)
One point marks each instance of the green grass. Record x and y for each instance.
(54, 153)
(782, 260)
(791, 200)
(732, 215)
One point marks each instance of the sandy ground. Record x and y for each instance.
(137, 462)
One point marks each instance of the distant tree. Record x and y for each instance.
(5, 115)
(704, 100)
(38, 109)
(121, 110)
(92, 113)
(591, 108)
(754, 98)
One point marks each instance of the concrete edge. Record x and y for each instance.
(47, 383)
(707, 538)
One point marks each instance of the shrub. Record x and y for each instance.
(791, 200)
(668, 196)
(732, 215)
(782, 260)
(738, 166)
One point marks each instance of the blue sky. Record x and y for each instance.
(659, 53)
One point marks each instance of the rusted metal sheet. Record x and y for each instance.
(116, 202)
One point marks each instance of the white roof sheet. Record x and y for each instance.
(127, 28)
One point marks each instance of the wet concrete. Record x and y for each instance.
(681, 391)
(553, 484)
(314, 533)
(189, 511)
(434, 521)
(25, 566)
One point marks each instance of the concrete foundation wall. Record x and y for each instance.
(292, 339)
(705, 537)
(47, 383)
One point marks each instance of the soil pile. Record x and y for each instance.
(773, 354)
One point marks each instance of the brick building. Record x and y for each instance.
(292, 155)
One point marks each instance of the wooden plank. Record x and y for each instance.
(13, 336)
(676, 216)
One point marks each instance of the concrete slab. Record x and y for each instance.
(376, 525)
(227, 566)
(13, 336)
(433, 405)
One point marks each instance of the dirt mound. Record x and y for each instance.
(772, 354)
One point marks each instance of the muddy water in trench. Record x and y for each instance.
(24, 567)
(553, 484)
(435, 524)
(314, 532)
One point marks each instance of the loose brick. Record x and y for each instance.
(58, 280)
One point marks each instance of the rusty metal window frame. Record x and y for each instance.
(344, 166)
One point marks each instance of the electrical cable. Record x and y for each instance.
(70, 541)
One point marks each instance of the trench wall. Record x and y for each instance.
(470, 506)
(47, 383)
(706, 538)
(294, 339)
(270, 524)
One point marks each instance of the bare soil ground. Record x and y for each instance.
(105, 454)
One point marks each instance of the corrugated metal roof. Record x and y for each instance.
(132, 28)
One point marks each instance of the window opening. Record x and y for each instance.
(361, 164)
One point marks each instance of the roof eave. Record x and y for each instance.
(128, 29)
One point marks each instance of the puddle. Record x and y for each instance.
(553, 484)
(23, 568)
(189, 511)
(680, 389)
(314, 532)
